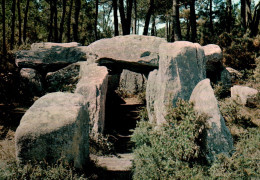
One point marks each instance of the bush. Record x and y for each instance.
(171, 150)
(244, 163)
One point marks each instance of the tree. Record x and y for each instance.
(76, 17)
(210, 18)
(96, 20)
(176, 34)
(148, 17)
(116, 33)
(51, 21)
(62, 19)
(25, 20)
(69, 21)
(126, 19)
(13, 25)
(193, 21)
(55, 13)
(229, 16)
(3, 21)
(19, 22)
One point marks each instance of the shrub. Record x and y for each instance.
(244, 163)
(99, 144)
(171, 150)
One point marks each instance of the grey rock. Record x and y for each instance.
(31, 81)
(234, 74)
(215, 70)
(181, 67)
(151, 94)
(132, 83)
(48, 60)
(49, 45)
(64, 79)
(131, 48)
(241, 94)
(55, 127)
(93, 86)
(218, 138)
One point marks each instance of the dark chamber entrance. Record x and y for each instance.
(121, 118)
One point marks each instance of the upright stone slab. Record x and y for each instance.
(215, 70)
(181, 67)
(132, 83)
(218, 138)
(55, 127)
(31, 81)
(93, 86)
(151, 94)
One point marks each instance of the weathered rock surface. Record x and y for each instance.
(242, 93)
(181, 67)
(215, 70)
(55, 127)
(151, 94)
(64, 79)
(49, 60)
(218, 138)
(31, 81)
(49, 45)
(93, 86)
(132, 83)
(132, 48)
(234, 74)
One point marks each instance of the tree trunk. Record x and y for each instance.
(13, 25)
(245, 13)
(69, 21)
(153, 31)
(211, 30)
(176, 29)
(166, 30)
(3, 21)
(50, 37)
(116, 33)
(129, 15)
(135, 20)
(193, 21)
(76, 17)
(148, 17)
(55, 21)
(126, 21)
(19, 22)
(25, 20)
(255, 21)
(96, 20)
(62, 19)
(229, 16)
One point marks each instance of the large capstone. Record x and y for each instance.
(49, 60)
(55, 127)
(49, 45)
(181, 67)
(218, 138)
(93, 86)
(131, 48)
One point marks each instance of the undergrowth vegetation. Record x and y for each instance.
(173, 150)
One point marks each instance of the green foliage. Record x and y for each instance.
(170, 150)
(244, 163)
(99, 144)
(39, 171)
(239, 52)
(221, 91)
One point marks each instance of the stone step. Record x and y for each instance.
(121, 162)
